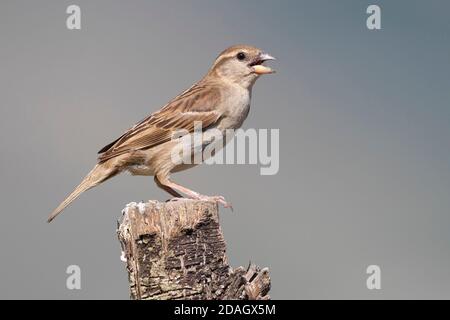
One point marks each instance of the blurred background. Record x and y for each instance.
(364, 140)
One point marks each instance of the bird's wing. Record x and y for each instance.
(197, 104)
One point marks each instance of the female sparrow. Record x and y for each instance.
(221, 100)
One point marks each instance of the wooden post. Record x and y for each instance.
(176, 250)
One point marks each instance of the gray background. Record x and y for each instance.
(364, 153)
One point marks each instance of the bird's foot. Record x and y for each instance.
(216, 199)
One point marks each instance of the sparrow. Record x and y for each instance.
(220, 100)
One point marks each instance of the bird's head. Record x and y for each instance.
(241, 64)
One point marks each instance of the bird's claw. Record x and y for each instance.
(217, 199)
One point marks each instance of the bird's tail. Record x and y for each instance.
(97, 175)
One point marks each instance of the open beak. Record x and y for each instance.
(258, 66)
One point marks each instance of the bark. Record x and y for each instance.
(176, 250)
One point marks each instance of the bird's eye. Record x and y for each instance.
(241, 56)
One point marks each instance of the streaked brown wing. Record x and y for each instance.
(196, 104)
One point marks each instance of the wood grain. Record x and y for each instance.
(176, 250)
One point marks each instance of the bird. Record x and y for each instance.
(220, 101)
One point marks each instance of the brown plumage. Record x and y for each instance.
(196, 104)
(221, 100)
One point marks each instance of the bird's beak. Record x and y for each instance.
(265, 57)
(258, 66)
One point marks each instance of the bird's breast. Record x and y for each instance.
(236, 108)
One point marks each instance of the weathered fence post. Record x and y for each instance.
(176, 250)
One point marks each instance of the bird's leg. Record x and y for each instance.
(167, 188)
(191, 193)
